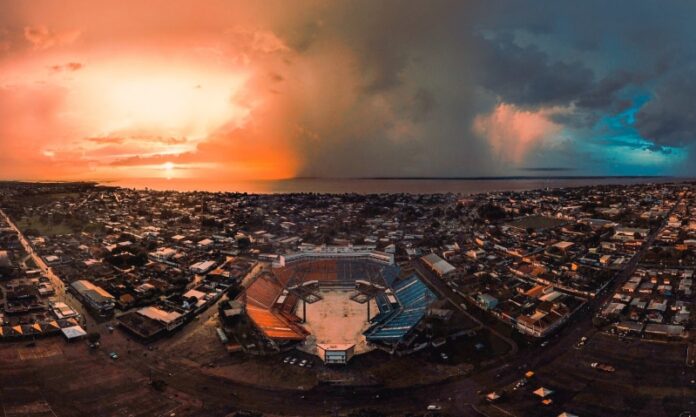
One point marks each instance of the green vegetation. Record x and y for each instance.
(33, 225)
(536, 222)
(45, 198)
(46, 226)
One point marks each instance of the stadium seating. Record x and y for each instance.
(391, 326)
(272, 308)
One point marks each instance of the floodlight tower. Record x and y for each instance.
(307, 291)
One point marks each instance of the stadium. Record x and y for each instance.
(336, 302)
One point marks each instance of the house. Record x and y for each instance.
(487, 301)
(170, 319)
(93, 296)
(202, 267)
(438, 265)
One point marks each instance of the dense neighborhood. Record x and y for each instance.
(462, 280)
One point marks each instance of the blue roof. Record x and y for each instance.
(413, 296)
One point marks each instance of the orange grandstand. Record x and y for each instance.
(275, 319)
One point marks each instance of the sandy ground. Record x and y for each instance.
(336, 319)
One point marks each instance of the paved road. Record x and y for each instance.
(459, 302)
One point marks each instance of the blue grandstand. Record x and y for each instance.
(395, 321)
(389, 273)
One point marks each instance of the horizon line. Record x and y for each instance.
(384, 178)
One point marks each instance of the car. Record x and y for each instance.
(444, 356)
(303, 363)
(544, 343)
(110, 328)
(434, 407)
(602, 367)
(287, 359)
(113, 355)
(293, 361)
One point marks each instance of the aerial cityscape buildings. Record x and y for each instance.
(542, 297)
(347, 208)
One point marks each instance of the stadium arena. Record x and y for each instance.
(336, 302)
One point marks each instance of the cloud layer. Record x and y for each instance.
(242, 89)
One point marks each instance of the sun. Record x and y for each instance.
(168, 168)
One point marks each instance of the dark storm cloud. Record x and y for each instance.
(603, 95)
(668, 119)
(422, 104)
(529, 77)
(423, 71)
(408, 117)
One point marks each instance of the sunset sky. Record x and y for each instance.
(216, 90)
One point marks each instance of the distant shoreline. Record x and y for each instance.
(486, 178)
(379, 178)
(380, 185)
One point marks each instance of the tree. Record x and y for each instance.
(491, 212)
(159, 384)
(243, 243)
(598, 321)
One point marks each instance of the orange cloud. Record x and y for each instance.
(42, 38)
(229, 89)
(513, 132)
(70, 66)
